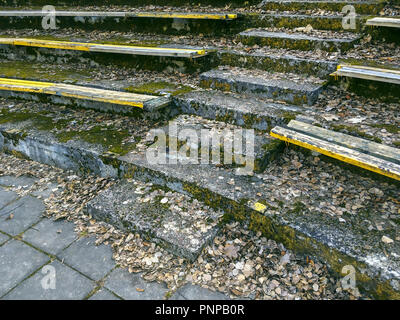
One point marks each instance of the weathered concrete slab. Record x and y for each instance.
(69, 285)
(84, 256)
(114, 100)
(6, 197)
(277, 63)
(233, 146)
(297, 93)
(296, 41)
(195, 292)
(51, 236)
(131, 286)
(18, 261)
(136, 207)
(20, 215)
(248, 112)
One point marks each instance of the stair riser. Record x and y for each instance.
(385, 92)
(297, 44)
(153, 63)
(388, 35)
(262, 122)
(283, 64)
(291, 96)
(296, 21)
(361, 8)
(129, 24)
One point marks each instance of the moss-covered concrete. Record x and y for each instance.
(159, 88)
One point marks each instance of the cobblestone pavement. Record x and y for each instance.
(45, 259)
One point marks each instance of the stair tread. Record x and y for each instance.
(364, 154)
(144, 14)
(139, 207)
(109, 48)
(81, 92)
(265, 79)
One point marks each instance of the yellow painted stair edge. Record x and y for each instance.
(336, 156)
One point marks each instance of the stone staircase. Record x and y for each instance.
(247, 65)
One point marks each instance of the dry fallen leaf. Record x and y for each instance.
(231, 251)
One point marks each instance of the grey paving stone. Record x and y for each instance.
(12, 181)
(192, 292)
(131, 286)
(93, 261)
(6, 197)
(104, 294)
(27, 211)
(177, 296)
(69, 285)
(3, 238)
(18, 261)
(51, 236)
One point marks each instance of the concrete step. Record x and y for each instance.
(365, 154)
(107, 48)
(375, 82)
(289, 20)
(133, 21)
(86, 97)
(153, 58)
(297, 40)
(263, 84)
(248, 112)
(193, 139)
(278, 216)
(140, 207)
(361, 7)
(275, 62)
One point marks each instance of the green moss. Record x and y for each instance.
(389, 127)
(154, 88)
(40, 71)
(38, 120)
(298, 207)
(112, 140)
(396, 143)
